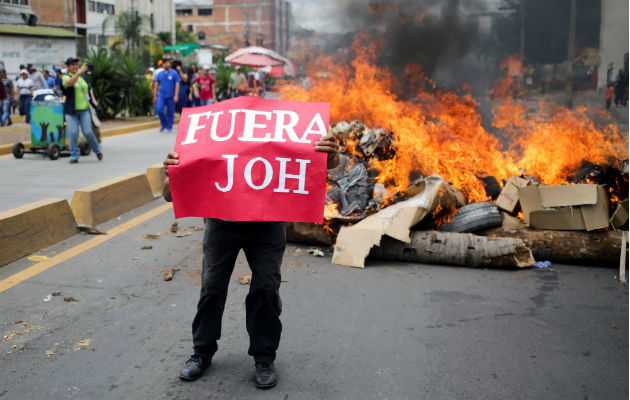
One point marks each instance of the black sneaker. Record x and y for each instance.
(265, 376)
(99, 156)
(73, 161)
(194, 367)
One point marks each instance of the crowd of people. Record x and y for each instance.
(16, 94)
(617, 89)
(175, 87)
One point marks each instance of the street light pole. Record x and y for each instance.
(569, 90)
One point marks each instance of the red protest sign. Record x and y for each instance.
(251, 159)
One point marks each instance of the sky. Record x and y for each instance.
(330, 15)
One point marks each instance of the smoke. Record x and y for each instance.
(443, 37)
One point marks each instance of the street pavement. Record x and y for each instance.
(390, 331)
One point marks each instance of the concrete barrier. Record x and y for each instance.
(103, 201)
(32, 227)
(156, 176)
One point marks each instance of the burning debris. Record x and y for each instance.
(400, 148)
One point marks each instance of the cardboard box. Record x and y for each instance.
(566, 207)
(508, 199)
(620, 216)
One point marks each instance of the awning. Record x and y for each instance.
(184, 49)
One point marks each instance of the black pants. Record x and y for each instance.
(263, 244)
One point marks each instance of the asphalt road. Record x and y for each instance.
(390, 331)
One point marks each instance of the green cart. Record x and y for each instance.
(48, 130)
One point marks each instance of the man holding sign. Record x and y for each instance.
(248, 165)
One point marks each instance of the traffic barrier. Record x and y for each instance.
(34, 226)
(156, 176)
(103, 201)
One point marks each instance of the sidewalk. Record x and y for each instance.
(18, 132)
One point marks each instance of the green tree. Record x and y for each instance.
(183, 35)
(129, 26)
(44, 117)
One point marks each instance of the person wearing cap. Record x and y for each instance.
(165, 95)
(77, 109)
(25, 87)
(149, 75)
(204, 84)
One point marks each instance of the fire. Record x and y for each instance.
(441, 132)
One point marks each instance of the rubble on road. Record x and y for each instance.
(521, 221)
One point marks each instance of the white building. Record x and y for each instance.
(613, 40)
(157, 16)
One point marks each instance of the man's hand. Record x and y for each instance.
(175, 98)
(171, 159)
(83, 68)
(328, 144)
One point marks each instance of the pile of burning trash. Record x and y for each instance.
(519, 221)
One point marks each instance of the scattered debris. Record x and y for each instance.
(614, 326)
(81, 344)
(245, 279)
(38, 258)
(354, 242)
(316, 253)
(542, 264)
(197, 228)
(508, 199)
(152, 235)
(170, 273)
(174, 227)
(51, 352)
(69, 299)
(183, 232)
(91, 230)
(56, 293)
(47, 297)
(146, 247)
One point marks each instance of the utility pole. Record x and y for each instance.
(571, 55)
(522, 30)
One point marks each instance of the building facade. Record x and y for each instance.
(238, 23)
(613, 41)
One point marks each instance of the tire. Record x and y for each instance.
(474, 217)
(53, 151)
(18, 150)
(84, 148)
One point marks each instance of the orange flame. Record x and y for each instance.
(441, 132)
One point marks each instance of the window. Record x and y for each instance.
(183, 12)
(91, 6)
(104, 8)
(93, 38)
(204, 11)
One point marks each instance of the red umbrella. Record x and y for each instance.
(255, 56)
(255, 60)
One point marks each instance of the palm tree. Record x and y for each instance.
(129, 25)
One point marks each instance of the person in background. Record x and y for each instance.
(10, 96)
(235, 81)
(76, 109)
(205, 86)
(608, 95)
(165, 96)
(57, 87)
(25, 87)
(50, 81)
(154, 77)
(38, 79)
(148, 74)
(184, 88)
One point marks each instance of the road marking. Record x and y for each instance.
(31, 271)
